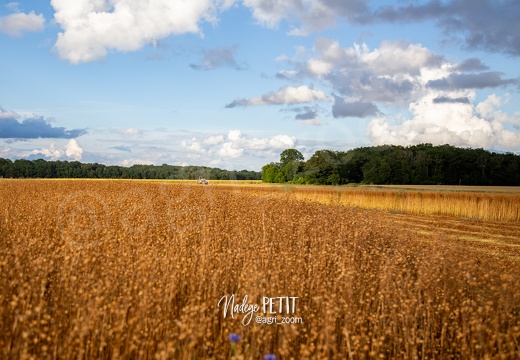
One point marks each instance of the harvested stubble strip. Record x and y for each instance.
(475, 205)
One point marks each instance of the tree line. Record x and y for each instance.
(422, 164)
(22, 168)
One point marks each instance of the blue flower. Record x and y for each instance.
(270, 357)
(233, 337)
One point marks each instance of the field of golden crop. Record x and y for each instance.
(135, 270)
(476, 202)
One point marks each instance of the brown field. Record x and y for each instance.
(477, 203)
(135, 270)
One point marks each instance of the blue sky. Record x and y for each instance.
(232, 83)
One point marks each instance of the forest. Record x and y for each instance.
(40, 168)
(422, 164)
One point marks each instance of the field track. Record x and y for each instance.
(492, 237)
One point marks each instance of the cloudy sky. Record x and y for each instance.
(232, 83)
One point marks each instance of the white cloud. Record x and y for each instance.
(51, 153)
(16, 24)
(73, 150)
(217, 149)
(312, 14)
(395, 58)
(193, 145)
(399, 75)
(486, 26)
(290, 95)
(285, 95)
(394, 72)
(238, 145)
(277, 142)
(214, 140)
(92, 28)
(270, 13)
(319, 67)
(234, 135)
(233, 147)
(132, 132)
(488, 109)
(231, 150)
(4, 114)
(458, 124)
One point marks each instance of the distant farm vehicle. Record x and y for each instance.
(202, 181)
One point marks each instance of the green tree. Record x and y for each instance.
(321, 166)
(270, 173)
(377, 171)
(6, 168)
(291, 163)
(290, 155)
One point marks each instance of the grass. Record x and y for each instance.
(134, 270)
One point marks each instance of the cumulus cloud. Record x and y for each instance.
(489, 79)
(455, 123)
(193, 146)
(490, 110)
(16, 24)
(270, 13)
(311, 14)
(214, 140)
(235, 145)
(394, 72)
(72, 150)
(488, 25)
(219, 57)
(230, 149)
(353, 108)
(92, 28)
(132, 132)
(32, 128)
(285, 95)
(50, 153)
(439, 95)
(234, 135)
(277, 142)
